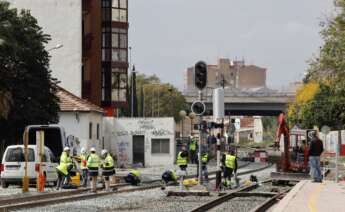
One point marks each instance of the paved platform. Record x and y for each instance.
(314, 197)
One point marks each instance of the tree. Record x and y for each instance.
(25, 77)
(327, 104)
(159, 99)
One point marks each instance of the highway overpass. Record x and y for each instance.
(250, 103)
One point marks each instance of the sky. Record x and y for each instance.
(167, 36)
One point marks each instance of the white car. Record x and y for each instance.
(13, 162)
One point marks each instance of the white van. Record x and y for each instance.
(13, 162)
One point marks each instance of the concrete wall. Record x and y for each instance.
(62, 20)
(258, 130)
(119, 133)
(79, 127)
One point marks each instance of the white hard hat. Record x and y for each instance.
(83, 150)
(104, 151)
(66, 149)
(92, 149)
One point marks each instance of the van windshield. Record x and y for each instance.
(17, 155)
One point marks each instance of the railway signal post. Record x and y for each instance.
(198, 107)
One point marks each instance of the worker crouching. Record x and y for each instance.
(64, 168)
(133, 177)
(108, 168)
(167, 177)
(93, 163)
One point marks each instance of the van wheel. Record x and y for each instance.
(4, 184)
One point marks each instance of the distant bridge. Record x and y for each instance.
(262, 102)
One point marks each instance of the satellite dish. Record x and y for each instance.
(325, 129)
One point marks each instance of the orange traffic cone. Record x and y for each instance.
(41, 182)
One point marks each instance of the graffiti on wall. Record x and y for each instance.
(161, 132)
(122, 152)
(146, 124)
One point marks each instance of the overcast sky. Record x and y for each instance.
(167, 36)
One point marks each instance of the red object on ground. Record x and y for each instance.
(343, 149)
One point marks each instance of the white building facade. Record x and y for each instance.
(82, 120)
(61, 19)
(149, 141)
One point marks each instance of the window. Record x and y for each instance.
(118, 85)
(90, 130)
(17, 155)
(120, 4)
(119, 10)
(160, 146)
(97, 131)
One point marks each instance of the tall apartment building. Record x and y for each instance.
(93, 62)
(235, 74)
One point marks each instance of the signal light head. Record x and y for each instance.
(200, 75)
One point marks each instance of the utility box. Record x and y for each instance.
(218, 104)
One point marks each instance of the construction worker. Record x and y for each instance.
(182, 159)
(93, 163)
(229, 162)
(204, 161)
(108, 168)
(133, 177)
(64, 168)
(192, 150)
(168, 176)
(62, 172)
(83, 166)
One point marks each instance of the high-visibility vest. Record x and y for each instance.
(173, 175)
(135, 172)
(181, 160)
(204, 158)
(230, 161)
(83, 161)
(93, 161)
(62, 168)
(65, 159)
(108, 162)
(192, 145)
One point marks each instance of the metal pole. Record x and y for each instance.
(199, 149)
(143, 100)
(182, 127)
(152, 102)
(158, 92)
(132, 96)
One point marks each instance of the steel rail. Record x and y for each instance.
(6, 201)
(223, 199)
(80, 194)
(269, 202)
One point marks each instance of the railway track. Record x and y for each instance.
(81, 194)
(247, 196)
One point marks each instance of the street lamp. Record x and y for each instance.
(191, 116)
(182, 114)
(132, 91)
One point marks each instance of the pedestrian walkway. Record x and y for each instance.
(314, 197)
